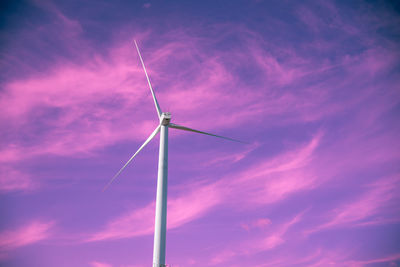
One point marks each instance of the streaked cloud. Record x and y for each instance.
(265, 240)
(23, 236)
(99, 264)
(11, 179)
(368, 208)
(270, 182)
(313, 87)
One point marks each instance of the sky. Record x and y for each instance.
(312, 87)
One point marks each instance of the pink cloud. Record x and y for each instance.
(391, 260)
(328, 18)
(340, 257)
(135, 223)
(80, 95)
(14, 180)
(274, 238)
(181, 210)
(277, 73)
(26, 235)
(84, 106)
(99, 264)
(71, 27)
(274, 179)
(264, 241)
(231, 158)
(261, 223)
(363, 211)
(193, 205)
(223, 256)
(267, 183)
(84, 96)
(105, 100)
(271, 242)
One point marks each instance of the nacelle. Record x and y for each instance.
(165, 118)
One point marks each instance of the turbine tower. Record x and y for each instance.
(162, 180)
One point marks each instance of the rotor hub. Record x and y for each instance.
(165, 118)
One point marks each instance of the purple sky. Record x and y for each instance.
(312, 86)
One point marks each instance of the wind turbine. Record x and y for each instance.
(161, 201)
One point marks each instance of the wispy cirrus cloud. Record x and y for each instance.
(322, 90)
(25, 235)
(339, 257)
(181, 210)
(273, 239)
(265, 240)
(99, 84)
(270, 182)
(11, 179)
(391, 260)
(99, 264)
(267, 182)
(259, 223)
(89, 104)
(368, 208)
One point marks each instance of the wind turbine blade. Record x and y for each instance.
(148, 81)
(140, 148)
(175, 126)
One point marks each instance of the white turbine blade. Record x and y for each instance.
(140, 148)
(148, 81)
(172, 125)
